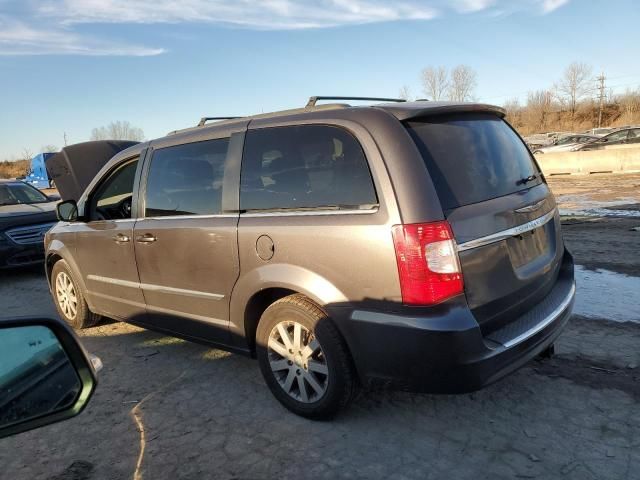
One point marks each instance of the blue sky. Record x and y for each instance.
(71, 65)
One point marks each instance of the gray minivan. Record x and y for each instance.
(411, 245)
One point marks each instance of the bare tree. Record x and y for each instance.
(539, 104)
(630, 105)
(118, 131)
(48, 148)
(463, 83)
(435, 82)
(27, 154)
(514, 112)
(575, 84)
(405, 93)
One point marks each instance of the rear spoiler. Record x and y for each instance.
(73, 168)
(410, 110)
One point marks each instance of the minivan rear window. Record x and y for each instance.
(473, 157)
(304, 167)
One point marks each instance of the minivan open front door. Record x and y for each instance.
(501, 211)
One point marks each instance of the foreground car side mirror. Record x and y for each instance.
(45, 374)
(67, 211)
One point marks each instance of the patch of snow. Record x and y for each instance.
(606, 294)
(583, 205)
(598, 212)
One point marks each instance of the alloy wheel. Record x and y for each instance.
(66, 296)
(298, 361)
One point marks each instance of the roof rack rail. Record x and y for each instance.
(204, 120)
(313, 100)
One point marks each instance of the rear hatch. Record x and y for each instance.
(502, 213)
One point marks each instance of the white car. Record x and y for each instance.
(565, 144)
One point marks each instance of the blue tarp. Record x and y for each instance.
(38, 174)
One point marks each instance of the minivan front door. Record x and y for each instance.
(186, 246)
(105, 249)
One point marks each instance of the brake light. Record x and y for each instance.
(428, 263)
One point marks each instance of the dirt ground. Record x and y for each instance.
(166, 408)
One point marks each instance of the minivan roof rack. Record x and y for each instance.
(313, 100)
(204, 120)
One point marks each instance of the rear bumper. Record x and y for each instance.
(442, 350)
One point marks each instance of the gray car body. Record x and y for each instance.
(343, 260)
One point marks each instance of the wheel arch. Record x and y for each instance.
(258, 289)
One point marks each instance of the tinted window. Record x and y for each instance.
(304, 167)
(472, 157)
(112, 200)
(616, 137)
(187, 179)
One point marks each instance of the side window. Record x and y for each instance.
(616, 137)
(634, 136)
(310, 166)
(187, 179)
(112, 199)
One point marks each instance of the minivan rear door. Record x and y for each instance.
(501, 210)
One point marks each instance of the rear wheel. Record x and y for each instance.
(69, 299)
(303, 358)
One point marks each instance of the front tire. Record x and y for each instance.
(303, 358)
(69, 299)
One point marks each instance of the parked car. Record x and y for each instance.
(566, 143)
(627, 136)
(25, 216)
(38, 176)
(408, 245)
(599, 131)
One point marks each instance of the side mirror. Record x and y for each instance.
(53, 197)
(67, 211)
(45, 374)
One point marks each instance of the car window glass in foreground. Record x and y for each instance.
(36, 376)
(187, 179)
(472, 157)
(13, 194)
(113, 198)
(304, 167)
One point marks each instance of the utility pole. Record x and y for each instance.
(65, 139)
(601, 80)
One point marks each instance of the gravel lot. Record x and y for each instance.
(166, 408)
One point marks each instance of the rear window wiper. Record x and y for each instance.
(530, 178)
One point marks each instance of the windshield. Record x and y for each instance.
(17, 193)
(473, 157)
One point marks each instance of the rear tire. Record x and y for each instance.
(303, 358)
(69, 298)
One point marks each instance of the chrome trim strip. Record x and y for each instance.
(540, 326)
(156, 288)
(192, 217)
(309, 213)
(181, 291)
(504, 234)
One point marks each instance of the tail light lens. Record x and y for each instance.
(428, 263)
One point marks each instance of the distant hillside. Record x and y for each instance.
(15, 169)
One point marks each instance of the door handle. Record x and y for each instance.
(146, 238)
(120, 238)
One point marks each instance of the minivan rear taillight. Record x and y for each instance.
(428, 263)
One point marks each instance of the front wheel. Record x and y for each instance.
(69, 299)
(304, 359)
